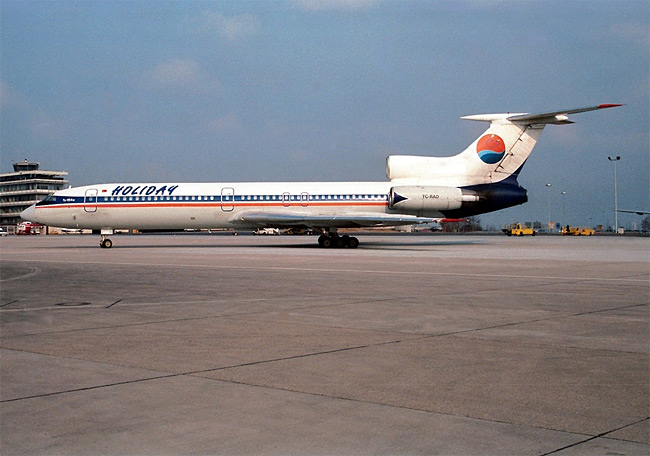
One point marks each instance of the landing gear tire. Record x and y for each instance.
(106, 243)
(325, 241)
(338, 242)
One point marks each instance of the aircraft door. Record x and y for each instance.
(227, 199)
(90, 200)
(304, 199)
(286, 199)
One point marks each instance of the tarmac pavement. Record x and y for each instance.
(410, 344)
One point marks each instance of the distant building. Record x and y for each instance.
(25, 186)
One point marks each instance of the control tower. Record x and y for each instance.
(27, 185)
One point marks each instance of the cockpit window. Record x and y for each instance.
(49, 199)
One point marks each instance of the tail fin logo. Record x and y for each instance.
(490, 149)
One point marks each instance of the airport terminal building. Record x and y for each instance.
(27, 185)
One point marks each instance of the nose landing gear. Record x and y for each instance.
(106, 243)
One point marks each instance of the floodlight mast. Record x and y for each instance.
(615, 159)
(548, 200)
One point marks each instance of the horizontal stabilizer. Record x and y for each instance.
(555, 117)
(633, 212)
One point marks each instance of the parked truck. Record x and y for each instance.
(577, 231)
(517, 229)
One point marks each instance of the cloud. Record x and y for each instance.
(182, 74)
(224, 124)
(631, 32)
(177, 72)
(9, 97)
(330, 5)
(5, 95)
(30, 116)
(234, 29)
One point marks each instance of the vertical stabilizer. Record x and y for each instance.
(499, 153)
(501, 150)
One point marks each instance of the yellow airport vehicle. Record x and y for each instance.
(517, 229)
(577, 231)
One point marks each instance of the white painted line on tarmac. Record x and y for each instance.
(347, 271)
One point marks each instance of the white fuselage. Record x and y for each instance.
(207, 205)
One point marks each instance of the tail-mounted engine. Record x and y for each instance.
(429, 198)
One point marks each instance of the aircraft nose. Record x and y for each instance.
(29, 214)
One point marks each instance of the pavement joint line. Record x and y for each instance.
(305, 355)
(415, 335)
(150, 303)
(230, 315)
(382, 404)
(338, 271)
(195, 373)
(88, 388)
(611, 309)
(550, 317)
(112, 304)
(188, 373)
(401, 407)
(601, 435)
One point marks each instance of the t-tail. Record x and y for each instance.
(484, 175)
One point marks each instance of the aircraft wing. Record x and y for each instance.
(633, 212)
(352, 220)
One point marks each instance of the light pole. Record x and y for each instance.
(615, 159)
(548, 198)
(563, 206)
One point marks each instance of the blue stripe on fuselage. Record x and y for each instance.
(54, 200)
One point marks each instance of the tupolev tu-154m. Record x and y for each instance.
(482, 178)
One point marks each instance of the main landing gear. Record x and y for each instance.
(336, 241)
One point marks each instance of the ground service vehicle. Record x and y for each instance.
(271, 231)
(577, 231)
(28, 228)
(516, 229)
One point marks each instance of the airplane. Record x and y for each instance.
(633, 212)
(482, 178)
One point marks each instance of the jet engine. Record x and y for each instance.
(428, 198)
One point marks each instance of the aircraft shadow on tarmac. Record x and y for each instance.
(365, 245)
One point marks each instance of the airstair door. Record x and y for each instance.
(227, 199)
(90, 200)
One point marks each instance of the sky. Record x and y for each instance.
(325, 90)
